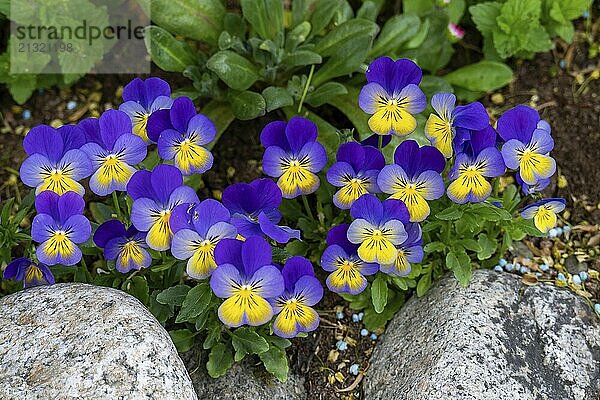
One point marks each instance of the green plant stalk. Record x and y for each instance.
(307, 207)
(305, 92)
(117, 207)
(380, 143)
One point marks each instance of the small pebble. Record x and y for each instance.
(524, 270)
(498, 268)
(354, 369)
(559, 231)
(538, 274)
(364, 332)
(26, 115)
(373, 336)
(502, 262)
(561, 277)
(552, 233)
(562, 64)
(509, 267)
(341, 345)
(71, 105)
(361, 315)
(339, 315)
(544, 267)
(566, 229)
(597, 308)
(584, 276)
(585, 14)
(576, 279)
(355, 318)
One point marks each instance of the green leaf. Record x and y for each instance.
(418, 7)
(326, 92)
(348, 105)
(369, 10)
(424, 284)
(483, 76)
(221, 115)
(435, 50)
(460, 264)
(471, 244)
(183, 339)
(328, 136)
(302, 57)
(451, 213)
(236, 71)
(456, 10)
(247, 341)
(484, 16)
(277, 97)
(194, 19)
(297, 248)
(196, 301)
(101, 212)
(167, 52)
(160, 311)
(265, 16)
(248, 105)
(276, 362)
(374, 320)
(139, 288)
(433, 247)
(379, 293)
(220, 360)
(174, 296)
(324, 10)
(396, 32)
(490, 212)
(488, 247)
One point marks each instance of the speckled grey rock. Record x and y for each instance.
(496, 339)
(247, 381)
(76, 341)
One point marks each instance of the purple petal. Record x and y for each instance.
(32, 168)
(42, 227)
(267, 192)
(72, 136)
(338, 235)
(142, 213)
(140, 185)
(144, 92)
(246, 226)
(340, 173)
(395, 209)
(79, 228)
(369, 96)
(415, 98)
(44, 140)
(221, 230)
(168, 144)
(207, 213)
(130, 148)
(482, 140)
(229, 251)
(308, 288)
(256, 253)
(161, 102)
(472, 116)
(182, 112)
(373, 140)
(541, 141)
(300, 131)
(316, 154)
(165, 179)
(272, 161)
(224, 279)
(201, 129)
(113, 124)
(61, 258)
(414, 159)
(70, 204)
(240, 198)
(108, 230)
(293, 269)
(280, 234)
(393, 76)
(182, 195)
(158, 122)
(184, 244)
(432, 184)
(518, 123)
(494, 164)
(443, 104)
(77, 163)
(374, 160)
(91, 129)
(15, 269)
(367, 207)
(47, 203)
(181, 217)
(273, 134)
(268, 281)
(330, 257)
(352, 153)
(510, 151)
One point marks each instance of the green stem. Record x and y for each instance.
(380, 144)
(310, 75)
(308, 210)
(117, 207)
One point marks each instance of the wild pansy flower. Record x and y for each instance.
(55, 160)
(528, 143)
(155, 194)
(442, 127)
(293, 155)
(112, 149)
(126, 246)
(26, 271)
(294, 306)
(378, 228)
(141, 99)
(544, 213)
(355, 172)
(531, 189)
(392, 95)
(246, 278)
(410, 251)
(254, 210)
(59, 226)
(480, 160)
(181, 133)
(341, 258)
(197, 229)
(414, 178)
(456, 32)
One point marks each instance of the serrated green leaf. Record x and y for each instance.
(220, 360)
(195, 302)
(433, 247)
(183, 339)
(174, 296)
(379, 294)
(275, 362)
(451, 213)
(167, 52)
(484, 16)
(488, 247)
(139, 288)
(236, 71)
(247, 341)
(460, 264)
(424, 284)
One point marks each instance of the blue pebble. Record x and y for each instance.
(354, 369)
(361, 315)
(562, 64)
(502, 262)
(576, 279)
(26, 115)
(509, 267)
(559, 231)
(524, 270)
(552, 233)
(583, 275)
(373, 336)
(341, 345)
(544, 267)
(339, 315)
(566, 229)
(355, 318)
(597, 308)
(71, 105)
(561, 277)
(498, 268)
(585, 14)
(364, 332)
(538, 274)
